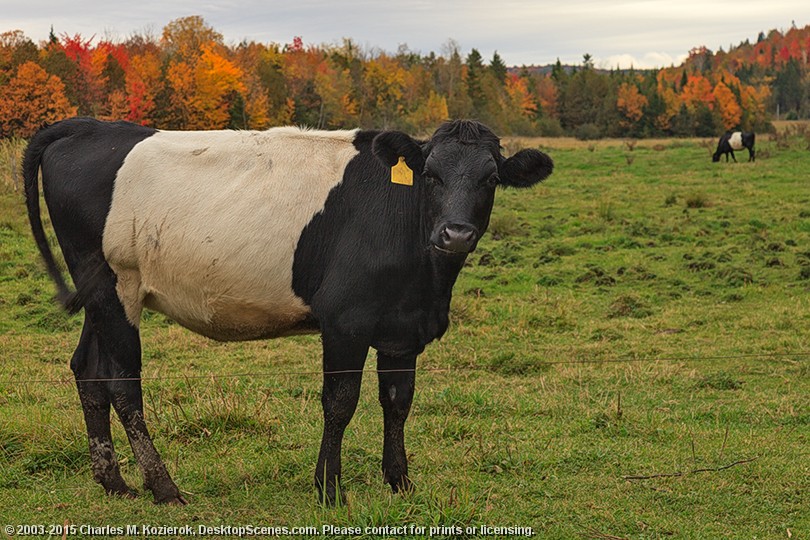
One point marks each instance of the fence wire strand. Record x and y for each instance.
(453, 369)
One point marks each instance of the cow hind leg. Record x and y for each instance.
(119, 362)
(96, 407)
(128, 403)
(396, 378)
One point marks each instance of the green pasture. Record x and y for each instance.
(629, 357)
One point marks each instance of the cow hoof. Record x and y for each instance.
(176, 500)
(127, 493)
(402, 485)
(330, 499)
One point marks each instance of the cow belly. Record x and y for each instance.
(203, 227)
(226, 292)
(229, 318)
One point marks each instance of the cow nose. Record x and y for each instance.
(457, 238)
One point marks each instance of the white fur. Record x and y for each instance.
(203, 226)
(735, 141)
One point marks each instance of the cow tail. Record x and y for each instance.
(70, 300)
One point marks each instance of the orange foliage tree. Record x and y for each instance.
(630, 103)
(188, 78)
(31, 99)
(698, 90)
(730, 110)
(143, 82)
(217, 81)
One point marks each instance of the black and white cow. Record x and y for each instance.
(241, 235)
(735, 140)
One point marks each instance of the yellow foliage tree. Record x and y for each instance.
(185, 37)
(30, 99)
(430, 113)
(385, 83)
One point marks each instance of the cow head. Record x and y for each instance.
(461, 165)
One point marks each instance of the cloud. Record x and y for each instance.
(649, 60)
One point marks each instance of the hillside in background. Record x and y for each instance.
(188, 78)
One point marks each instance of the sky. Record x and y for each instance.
(640, 33)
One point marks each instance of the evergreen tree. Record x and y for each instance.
(475, 86)
(789, 87)
(498, 68)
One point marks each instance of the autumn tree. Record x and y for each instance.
(203, 92)
(31, 99)
(185, 37)
(697, 91)
(429, 114)
(187, 77)
(143, 82)
(520, 106)
(730, 111)
(384, 84)
(451, 81)
(15, 49)
(631, 103)
(275, 90)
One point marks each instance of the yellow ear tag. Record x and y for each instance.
(401, 173)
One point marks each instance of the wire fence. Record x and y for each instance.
(256, 375)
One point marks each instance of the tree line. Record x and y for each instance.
(189, 78)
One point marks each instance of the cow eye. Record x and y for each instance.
(493, 180)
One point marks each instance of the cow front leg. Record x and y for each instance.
(732, 156)
(396, 377)
(343, 361)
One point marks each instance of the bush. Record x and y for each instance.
(587, 132)
(549, 127)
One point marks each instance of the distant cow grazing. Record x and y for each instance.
(241, 235)
(735, 140)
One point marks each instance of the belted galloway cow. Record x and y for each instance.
(239, 235)
(735, 140)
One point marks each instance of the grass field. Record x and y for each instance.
(629, 357)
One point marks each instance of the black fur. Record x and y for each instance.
(84, 155)
(389, 146)
(526, 168)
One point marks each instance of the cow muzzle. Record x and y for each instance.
(455, 239)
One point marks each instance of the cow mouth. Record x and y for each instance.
(446, 251)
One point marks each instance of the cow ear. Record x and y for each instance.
(388, 146)
(525, 169)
